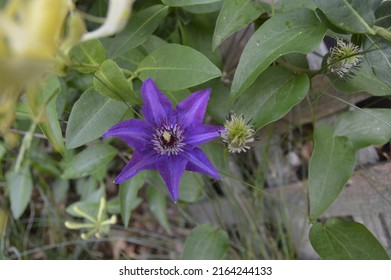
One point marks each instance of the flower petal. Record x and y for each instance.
(202, 133)
(157, 107)
(198, 162)
(191, 110)
(133, 132)
(137, 163)
(171, 169)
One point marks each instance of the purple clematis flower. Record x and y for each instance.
(168, 139)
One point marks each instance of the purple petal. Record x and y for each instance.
(157, 107)
(133, 132)
(137, 163)
(198, 162)
(202, 133)
(191, 110)
(171, 170)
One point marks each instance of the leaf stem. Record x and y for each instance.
(295, 69)
(127, 72)
(83, 65)
(386, 34)
(272, 7)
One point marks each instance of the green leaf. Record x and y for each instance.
(131, 59)
(152, 43)
(20, 188)
(158, 207)
(206, 242)
(50, 125)
(91, 116)
(88, 161)
(139, 28)
(176, 67)
(284, 6)
(351, 15)
(272, 96)
(297, 59)
(376, 4)
(218, 107)
(89, 207)
(87, 189)
(177, 96)
(191, 187)
(323, 18)
(43, 162)
(198, 35)
(110, 81)
(378, 56)
(60, 190)
(218, 156)
(363, 80)
(383, 14)
(113, 206)
(3, 150)
(331, 165)
(90, 53)
(365, 127)
(204, 8)
(181, 3)
(338, 239)
(128, 198)
(295, 31)
(235, 15)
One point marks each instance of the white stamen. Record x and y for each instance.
(168, 140)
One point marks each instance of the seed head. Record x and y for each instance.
(344, 58)
(237, 133)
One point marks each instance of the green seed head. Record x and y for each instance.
(344, 58)
(238, 134)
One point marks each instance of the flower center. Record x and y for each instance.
(168, 140)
